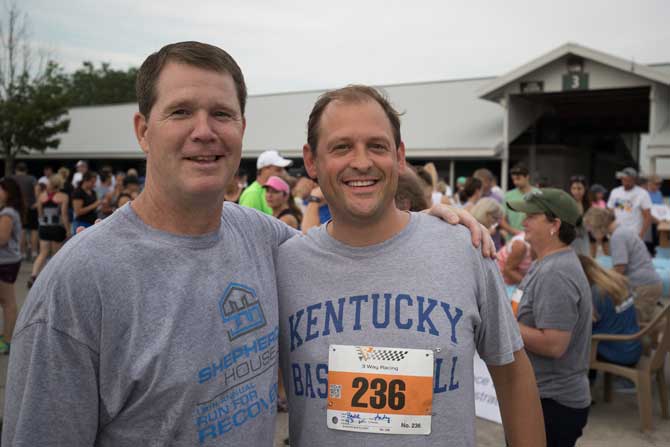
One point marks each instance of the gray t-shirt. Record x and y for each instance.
(627, 248)
(10, 253)
(425, 288)
(557, 295)
(136, 337)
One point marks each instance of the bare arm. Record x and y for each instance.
(64, 215)
(291, 221)
(80, 209)
(504, 225)
(311, 217)
(478, 233)
(519, 402)
(5, 229)
(547, 342)
(38, 204)
(646, 222)
(516, 256)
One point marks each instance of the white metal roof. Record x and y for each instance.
(492, 90)
(441, 119)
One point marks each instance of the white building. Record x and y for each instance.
(571, 111)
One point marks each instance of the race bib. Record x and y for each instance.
(380, 390)
(515, 300)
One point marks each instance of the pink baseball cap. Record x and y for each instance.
(278, 184)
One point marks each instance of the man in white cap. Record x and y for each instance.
(631, 203)
(269, 163)
(82, 167)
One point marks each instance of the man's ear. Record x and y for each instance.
(402, 163)
(310, 161)
(141, 127)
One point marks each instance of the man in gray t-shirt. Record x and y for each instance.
(159, 326)
(381, 311)
(630, 257)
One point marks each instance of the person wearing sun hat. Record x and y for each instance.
(269, 163)
(554, 313)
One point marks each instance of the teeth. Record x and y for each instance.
(361, 183)
(210, 158)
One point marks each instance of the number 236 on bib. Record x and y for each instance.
(380, 390)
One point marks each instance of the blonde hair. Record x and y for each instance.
(64, 173)
(486, 207)
(598, 219)
(612, 283)
(56, 181)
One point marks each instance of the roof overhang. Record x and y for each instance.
(414, 152)
(493, 91)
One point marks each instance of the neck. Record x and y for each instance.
(183, 217)
(552, 246)
(262, 178)
(276, 211)
(526, 188)
(363, 233)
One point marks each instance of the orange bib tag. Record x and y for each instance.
(515, 300)
(380, 390)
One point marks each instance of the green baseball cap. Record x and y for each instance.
(556, 201)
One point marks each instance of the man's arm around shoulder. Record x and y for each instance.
(519, 402)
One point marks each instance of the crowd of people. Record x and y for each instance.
(173, 318)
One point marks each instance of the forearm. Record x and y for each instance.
(512, 275)
(646, 223)
(311, 217)
(78, 212)
(519, 402)
(538, 341)
(504, 225)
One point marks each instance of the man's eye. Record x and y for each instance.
(223, 114)
(179, 112)
(378, 146)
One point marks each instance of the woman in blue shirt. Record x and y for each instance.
(613, 313)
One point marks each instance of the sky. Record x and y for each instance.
(297, 45)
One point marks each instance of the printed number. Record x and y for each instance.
(391, 393)
(575, 81)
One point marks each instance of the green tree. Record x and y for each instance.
(33, 104)
(103, 85)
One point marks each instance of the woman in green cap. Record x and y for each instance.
(554, 313)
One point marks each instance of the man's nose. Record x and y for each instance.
(361, 158)
(202, 127)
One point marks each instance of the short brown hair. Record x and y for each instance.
(410, 192)
(197, 54)
(351, 94)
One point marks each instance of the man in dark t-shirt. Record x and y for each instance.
(85, 202)
(27, 182)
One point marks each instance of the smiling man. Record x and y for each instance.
(158, 326)
(378, 351)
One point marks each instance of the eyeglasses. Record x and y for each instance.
(578, 178)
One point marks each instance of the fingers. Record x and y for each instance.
(488, 246)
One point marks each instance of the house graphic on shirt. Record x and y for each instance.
(240, 310)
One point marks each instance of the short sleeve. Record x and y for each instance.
(645, 202)
(556, 303)
(52, 378)
(618, 249)
(498, 336)
(610, 201)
